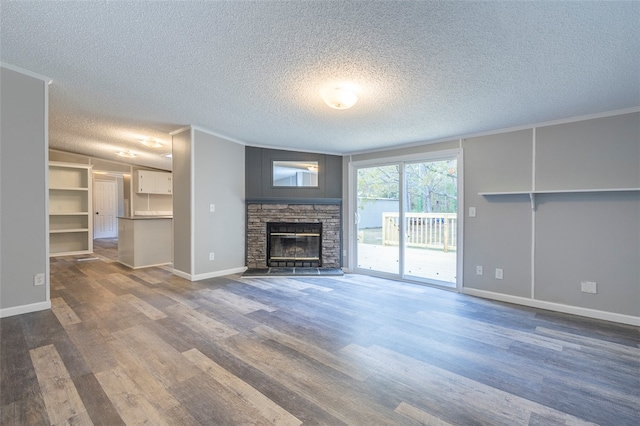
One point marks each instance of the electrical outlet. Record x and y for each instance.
(38, 279)
(211, 256)
(479, 270)
(212, 208)
(499, 274)
(588, 287)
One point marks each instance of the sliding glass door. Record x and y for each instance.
(377, 229)
(406, 219)
(430, 218)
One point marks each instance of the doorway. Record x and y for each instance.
(406, 219)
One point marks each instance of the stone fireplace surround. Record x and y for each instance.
(261, 212)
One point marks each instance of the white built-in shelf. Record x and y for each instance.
(60, 231)
(532, 194)
(70, 220)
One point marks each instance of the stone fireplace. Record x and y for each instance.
(262, 216)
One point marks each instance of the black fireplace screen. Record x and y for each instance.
(294, 244)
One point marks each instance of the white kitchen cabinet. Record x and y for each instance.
(70, 219)
(152, 182)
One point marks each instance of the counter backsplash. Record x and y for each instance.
(153, 213)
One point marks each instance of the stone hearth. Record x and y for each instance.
(259, 214)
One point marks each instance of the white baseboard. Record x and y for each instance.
(181, 274)
(145, 266)
(551, 306)
(214, 274)
(25, 309)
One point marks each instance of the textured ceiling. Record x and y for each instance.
(252, 71)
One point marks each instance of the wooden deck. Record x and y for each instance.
(428, 264)
(147, 347)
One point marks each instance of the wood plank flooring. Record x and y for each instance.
(147, 347)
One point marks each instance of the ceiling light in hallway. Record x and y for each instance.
(127, 154)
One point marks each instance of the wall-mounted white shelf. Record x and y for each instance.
(532, 194)
(70, 220)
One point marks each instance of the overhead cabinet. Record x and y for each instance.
(151, 182)
(70, 220)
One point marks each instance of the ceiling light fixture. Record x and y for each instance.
(312, 169)
(168, 155)
(127, 154)
(151, 143)
(339, 98)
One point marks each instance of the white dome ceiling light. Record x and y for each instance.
(339, 98)
(151, 143)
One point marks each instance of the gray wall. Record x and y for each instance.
(259, 175)
(592, 237)
(23, 187)
(181, 166)
(219, 180)
(208, 170)
(589, 237)
(577, 236)
(599, 153)
(500, 235)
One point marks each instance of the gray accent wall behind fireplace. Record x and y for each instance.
(259, 185)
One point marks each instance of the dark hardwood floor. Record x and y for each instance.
(147, 347)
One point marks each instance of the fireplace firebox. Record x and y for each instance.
(294, 244)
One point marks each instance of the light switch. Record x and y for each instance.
(212, 208)
(472, 212)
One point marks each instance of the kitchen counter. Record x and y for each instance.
(145, 241)
(144, 217)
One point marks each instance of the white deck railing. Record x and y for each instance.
(424, 230)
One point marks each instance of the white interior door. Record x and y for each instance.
(105, 208)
